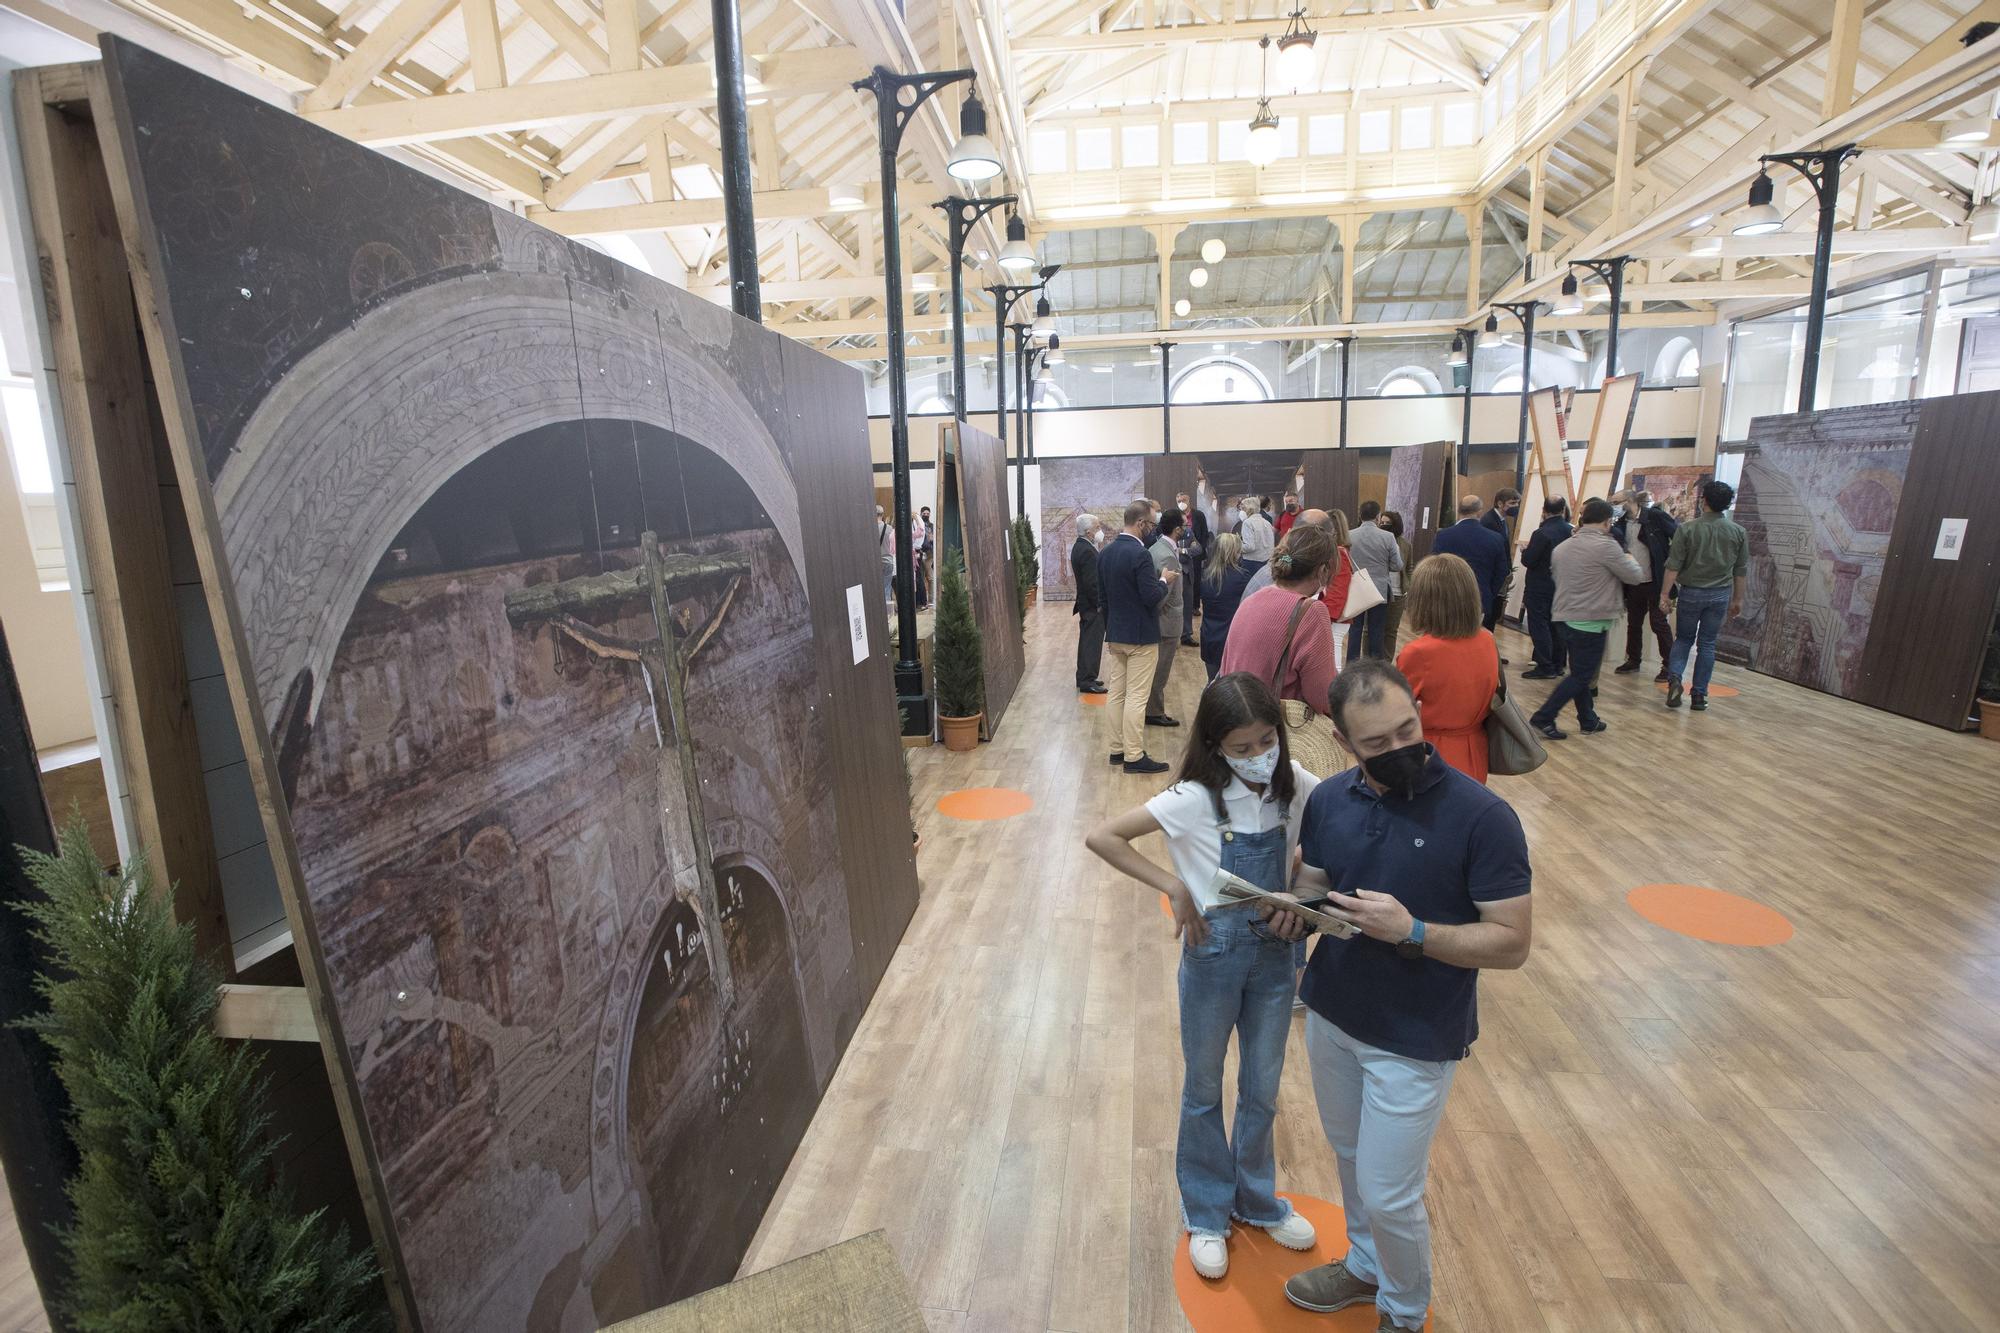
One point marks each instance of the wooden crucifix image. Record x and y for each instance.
(664, 660)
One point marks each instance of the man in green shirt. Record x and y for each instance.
(1709, 561)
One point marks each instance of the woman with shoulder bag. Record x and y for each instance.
(1453, 664)
(1281, 635)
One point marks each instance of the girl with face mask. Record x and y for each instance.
(1235, 806)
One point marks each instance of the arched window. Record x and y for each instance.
(1679, 359)
(1511, 383)
(1407, 382)
(1221, 379)
(1050, 395)
(935, 404)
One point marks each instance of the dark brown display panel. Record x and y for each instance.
(972, 501)
(533, 578)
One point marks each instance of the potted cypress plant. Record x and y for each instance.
(1027, 569)
(956, 661)
(1989, 686)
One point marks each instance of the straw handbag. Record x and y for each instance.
(1308, 734)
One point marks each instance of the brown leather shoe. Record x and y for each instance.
(1328, 1288)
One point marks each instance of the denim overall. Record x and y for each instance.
(1240, 978)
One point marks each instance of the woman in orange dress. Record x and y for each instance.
(1453, 664)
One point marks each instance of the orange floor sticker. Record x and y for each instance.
(1250, 1298)
(1095, 700)
(1710, 914)
(985, 803)
(1714, 691)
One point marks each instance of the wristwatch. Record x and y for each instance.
(1412, 947)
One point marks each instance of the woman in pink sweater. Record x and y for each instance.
(1259, 631)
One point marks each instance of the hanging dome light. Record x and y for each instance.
(1044, 375)
(1762, 217)
(1055, 356)
(1045, 320)
(1295, 50)
(1182, 306)
(1983, 226)
(1457, 356)
(973, 157)
(1569, 303)
(1212, 250)
(1490, 335)
(1262, 145)
(1198, 278)
(1017, 255)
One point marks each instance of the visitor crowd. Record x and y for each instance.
(1330, 793)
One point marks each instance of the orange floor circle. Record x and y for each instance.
(1710, 914)
(1714, 691)
(1250, 1298)
(1096, 700)
(985, 803)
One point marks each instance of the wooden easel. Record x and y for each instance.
(137, 496)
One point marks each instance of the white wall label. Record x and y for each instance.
(857, 622)
(1951, 539)
(1427, 519)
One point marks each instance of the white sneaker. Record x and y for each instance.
(1294, 1233)
(1210, 1255)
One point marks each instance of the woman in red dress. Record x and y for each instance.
(1453, 664)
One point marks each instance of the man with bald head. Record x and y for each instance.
(1312, 518)
(1089, 608)
(1481, 547)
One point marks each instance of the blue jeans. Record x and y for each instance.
(1696, 625)
(1240, 979)
(1586, 654)
(1380, 1112)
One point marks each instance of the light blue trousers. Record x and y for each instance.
(1380, 1112)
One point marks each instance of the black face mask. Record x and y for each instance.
(1399, 769)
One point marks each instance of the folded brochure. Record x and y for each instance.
(1234, 891)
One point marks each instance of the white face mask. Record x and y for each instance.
(1257, 768)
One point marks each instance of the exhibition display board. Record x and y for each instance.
(531, 579)
(972, 512)
(1421, 490)
(1874, 568)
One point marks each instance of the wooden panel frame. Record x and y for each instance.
(119, 469)
(1610, 428)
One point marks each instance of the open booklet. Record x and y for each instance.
(1227, 890)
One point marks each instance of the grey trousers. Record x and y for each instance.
(1156, 703)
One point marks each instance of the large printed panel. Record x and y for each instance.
(1070, 486)
(1818, 499)
(979, 467)
(548, 653)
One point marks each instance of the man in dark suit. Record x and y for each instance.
(1133, 591)
(1500, 518)
(1539, 595)
(1193, 543)
(1089, 608)
(1645, 532)
(1475, 542)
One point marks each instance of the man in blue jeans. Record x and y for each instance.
(1709, 562)
(1432, 869)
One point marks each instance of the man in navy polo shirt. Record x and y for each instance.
(1433, 870)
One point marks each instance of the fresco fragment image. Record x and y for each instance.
(1819, 517)
(598, 826)
(1674, 489)
(1104, 486)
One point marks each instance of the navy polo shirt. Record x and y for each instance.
(1450, 846)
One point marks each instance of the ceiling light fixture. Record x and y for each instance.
(1181, 308)
(1569, 303)
(1295, 50)
(1045, 320)
(1198, 278)
(1762, 217)
(1212, 250)
(1055, 357)
(1017, 256)
(973, 157)
(1490, 335)
(1457, 356)
(1262, 145)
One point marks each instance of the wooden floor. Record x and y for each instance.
(1652, 1133)
(20, 1302)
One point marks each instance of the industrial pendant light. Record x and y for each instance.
(973, 157)
(1762, 217)
(1055, 356)
(1295, 50)
(1017, 256)
(1457, 356)
(1045, 320)
(1262, 145)
(1490, 335)
(1570, 302)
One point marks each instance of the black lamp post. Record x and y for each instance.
(961, 216)
(1346, 367)
(897, 99)
(1822, 171)
(1610, 272)
(1464, 343)
(1525, 312)
(1166, 397)
(739, 221)
(1022, 385)
(1004, 296)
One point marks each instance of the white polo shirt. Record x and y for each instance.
(1186, 813)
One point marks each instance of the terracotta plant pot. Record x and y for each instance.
(1989, 719)
(960, 733)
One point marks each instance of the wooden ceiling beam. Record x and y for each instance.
(769, 205)
(1249, 30)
